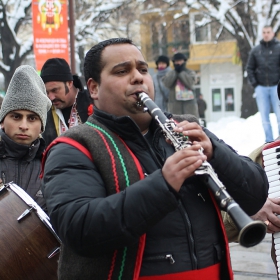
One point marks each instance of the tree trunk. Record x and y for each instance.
(249, 105)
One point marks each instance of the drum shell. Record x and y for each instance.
(24, 245)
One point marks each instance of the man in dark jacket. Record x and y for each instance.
(124, 203)
(180, 82)
(263, 69)
(23, 118)
(71, 103)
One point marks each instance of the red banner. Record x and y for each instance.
(50, 30)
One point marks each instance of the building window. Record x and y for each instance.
(216, 100)
(181, 37)
(159, 40)
(200, 28)
(229, 99)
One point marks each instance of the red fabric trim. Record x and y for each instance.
(224, 235)
(140, 253)
(65, 140)
(211, 272)
(112, 265)
(113, 162)
(270, 145)
(142, 240)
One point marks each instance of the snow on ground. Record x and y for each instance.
(244, 135)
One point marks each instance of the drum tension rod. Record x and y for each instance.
(54, 252)
(26, 212)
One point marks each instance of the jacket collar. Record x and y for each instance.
(123, 126)
(269, 43)
(9, 148)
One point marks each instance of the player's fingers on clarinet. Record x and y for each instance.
(182, 165)
(186, 158)
(185, 127)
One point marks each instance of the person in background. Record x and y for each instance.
(202, 106)
(123, 202)
(180, 82)
(23, 118)
(161, 92)
(263, 68)
(71, 104)
(270, 212)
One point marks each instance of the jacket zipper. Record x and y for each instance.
(168, 257)
(184, 214)
(189, 234)
(267, 56)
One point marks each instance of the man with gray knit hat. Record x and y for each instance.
(181, 82)
(71, 103)
(23, 118)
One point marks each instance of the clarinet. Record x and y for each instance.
(251, 232)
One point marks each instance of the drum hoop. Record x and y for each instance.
(31, 203)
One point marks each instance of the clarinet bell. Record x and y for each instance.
(251, 232)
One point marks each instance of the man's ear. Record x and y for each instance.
(93, 88)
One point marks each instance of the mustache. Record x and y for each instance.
(57, 100)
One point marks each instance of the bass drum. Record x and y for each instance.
(28, 244)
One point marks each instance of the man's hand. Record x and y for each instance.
(268, 214)
(196, 135)
(179, 67)
(182, 164)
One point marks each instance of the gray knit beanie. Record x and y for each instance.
(26, 91)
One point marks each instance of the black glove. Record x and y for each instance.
(179, 68)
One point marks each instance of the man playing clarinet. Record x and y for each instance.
(125, 204)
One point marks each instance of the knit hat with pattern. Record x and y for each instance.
(56, 69)
(26, 91)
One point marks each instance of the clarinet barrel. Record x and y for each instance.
(251, 232)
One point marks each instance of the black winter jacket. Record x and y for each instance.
(83, 102)
(263, 66)
(185, 226)
(21, 164)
